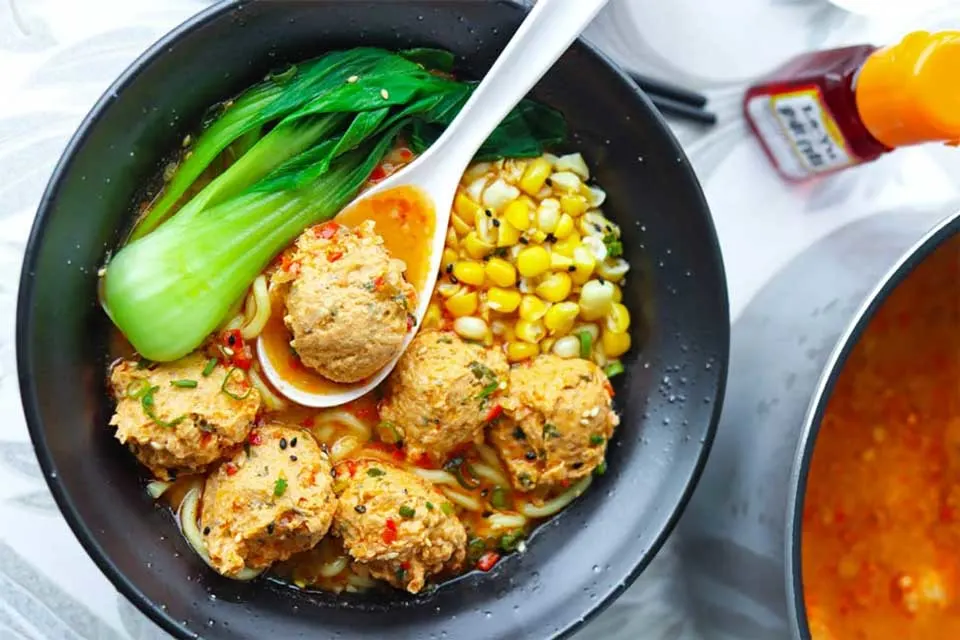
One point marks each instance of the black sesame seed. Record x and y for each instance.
(232, 340)
(453, 279)
(550, 238)
(496, 222)
(293, 441)
(270, 528)
(519, 434)
(283, 443)
(293, 458)
(530, 455)
(600, 280)
(549, 182)
(577, 465)
(360, 508)
(571, 268)
(450, 268)
(524, 241)
(486, 514)
(206, 531)
(484, 492)
(488, 213)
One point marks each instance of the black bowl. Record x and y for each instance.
(669, 397)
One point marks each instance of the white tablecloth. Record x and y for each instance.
(58, 56)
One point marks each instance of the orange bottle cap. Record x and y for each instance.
(909, 93)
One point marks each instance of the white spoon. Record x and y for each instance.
(546, 33)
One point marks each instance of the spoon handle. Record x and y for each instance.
(546, 33)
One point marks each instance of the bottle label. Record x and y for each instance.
(800, 133)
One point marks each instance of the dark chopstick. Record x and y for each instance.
(678, 109)
(673, 92)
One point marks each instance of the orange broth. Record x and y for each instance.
(881, 521)
(405, 218)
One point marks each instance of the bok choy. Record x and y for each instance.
(306, 139)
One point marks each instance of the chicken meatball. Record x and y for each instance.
(269, 502)
(442, 393)
(177, 420)
(396, 525)
(557, 422)
(347, 303)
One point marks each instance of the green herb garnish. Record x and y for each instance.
(498, 498)
(586, 344)
(226, 379)
(184, 384)
(550, 431)
(600, 468)
(146, 401)
(447, 508)
(374, 472)
(613, 368)
(388, 432)
(280, 487)
(211, 365)
(613, 244)
(488, 390)
(510, 541)
(596, 440)
(407, 512)
(429, 506)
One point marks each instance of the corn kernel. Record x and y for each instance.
(532, 332)
(465, 208)
(469, 272)
(618, 318)
(486, 230)
(546, 345)
(533, 261)
(613, 269)
(471, 328)
(461, 304)
(537, 236)
(596, 299)
(584, 263)
(452, 241)
(564, 226)
(475, 247)
(560, 317)
(449, 257)
(548, 215)
(519, 351)
(560, 262)
(433, 318)
(567, 347)
(501, 272)
(566, 181)
(459, 225)
(617, 294)
(503, 300)
(555, 287)
(566, 246)
(532, 308)
(615, 344)
(509, 235)
(535, 175)
(448, 289)
(573, 205)
(517, 213)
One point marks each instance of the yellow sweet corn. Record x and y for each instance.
(532, 308)
(617, 293)
(517, 213)
(564, 226)
(469, 272)
(555, 287)
(596, 299)
(574, 205)
(519, 351)
(501, 272)
(508, 235)
(452, 241)
(560, 262)
(546, 345)
(449, 257)
(459, 225)
(618, 318)
(532, 332)
(463, 303)
(448, 289)
(465, 207)
(535, 175)
(533, 261)
(615, 344)
(475, 247)
(566, 246)
(433, 318)
(584, 263)
(560, 317)
(503, 300)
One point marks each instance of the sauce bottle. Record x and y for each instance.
(827, 110)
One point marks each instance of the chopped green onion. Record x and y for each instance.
(498, 498)
(280, 486)
(137, 388)
(600, 469)
(586, 344)
(146, 401)
(476, 547)
(374, 472)
(211, 365)
(596, 439)
(550, 431)
(460, 469)
(510, 541)
(143, 363)
(488, 390)
(613, 368)
(184, 384)
(226, 379)
(407, 512)
(388, 432)
(447, 508)
(429, 506)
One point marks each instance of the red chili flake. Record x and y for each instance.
(378, 283)
(405, 154)
(242, 361)
(609, 388)
(307, 422)
(390, 532)
(333, 256)
(294, 363)
(411, 322)
(424, 461)
(564, 483)
(327, 230)
(205, 438)
(231, 469)
(487, 560)
(379, 173)
(351, 467)
(285, 262)
(495, 412)
(255, 439)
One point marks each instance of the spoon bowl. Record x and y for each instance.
(546, 33)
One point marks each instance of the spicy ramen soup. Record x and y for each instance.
(881, 522)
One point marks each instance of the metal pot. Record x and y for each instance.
(740, 536)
